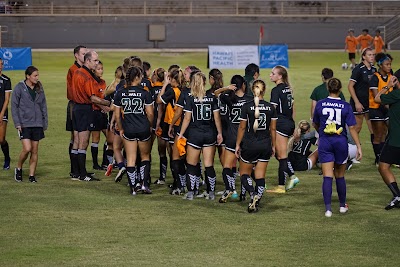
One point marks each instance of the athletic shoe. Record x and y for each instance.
(109, 169)
(18, 175)
(242, 197)
(280, 189)
(138, 187)
(176, 192)
(6, 165)
(97, 167)
(355, 161)
(292, 183)
(89, 179)
(32, 179)
(393, 204)
(159, 181)
(133, 193)
(188, 195)
(146, 190)
(120, 174)
(227, 194)
(349, 164)
(328, 213)
(202, 195)
(211, 195)
(220, 193)
(253, 204)
(344, 209)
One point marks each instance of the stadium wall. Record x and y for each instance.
(181, 32)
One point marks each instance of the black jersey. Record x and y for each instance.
(155, 91)
(234, 110)
(132, 101)
(5, 86)
(361, 76)
(282, 98)
(267, 113)
(183, 99)
(202, 112)
(146, 84)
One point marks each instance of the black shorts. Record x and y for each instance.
(5, 117)
(31, 133)
(68, 123)
(364, 102)
(285, 127)
(142, 136)
(390, 154)
(198, 138)
(253, 152)
(378, 114)
(81, 117)
(230, 142)
(99, 121)
(165, 127)
(299, 163)
(352, 56)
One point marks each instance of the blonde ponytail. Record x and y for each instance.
(258, 90)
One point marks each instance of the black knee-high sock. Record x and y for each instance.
(211, 179)
(282, 171)
(260, 183)
(163, 168)
(225, 173)
(71, 143)
(146, 172)
(191, 177)
(175, 173)
(247, 183)
(104, 162)
(381, 145)
(376, 150)
(6, 150)
(182, 173)
(372, 136)
(131, 173)
(94, 148)
(74, 162)
(394, 189)
(82, 163)
(290, 168)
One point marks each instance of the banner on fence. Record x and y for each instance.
(238, 57)
(16, 58)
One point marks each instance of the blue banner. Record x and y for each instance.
(272, 55)
(16, 58)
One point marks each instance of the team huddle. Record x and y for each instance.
(239, 121)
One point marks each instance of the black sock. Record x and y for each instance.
(191, 177)
(163, 168)
(376, 150)
(82, 163)
(74, 162)
(94, 148)
(175, 173)
(260, 184)
(182, 173)
(227, 176)
(6, 150)
(372, 138)
(71, 143)
(247, 183)
(211, 179)
(394, 189)
(282, 171)
(146, 172)
(104, 162)
(290, 168)
(234, 170)
(131, 173)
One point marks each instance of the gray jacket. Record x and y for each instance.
(25, 111)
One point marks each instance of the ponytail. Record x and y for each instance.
(258, 90)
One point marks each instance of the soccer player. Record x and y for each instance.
(321, 91)
(255, 143)
(330, 118)
(134, 115)
(79, 54)
(5, 91)
(391, 150)
(365, 40)
(282, 99)
(377, 112)
(359, 88)
(251, 73)
(200, 120)
(234, 102)
(379, 44)
(351, 47)
(29, 113)
(84, 96)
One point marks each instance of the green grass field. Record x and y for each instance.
(67, 223)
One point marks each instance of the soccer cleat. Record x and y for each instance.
(280, 189)
(109, 169)
(292, 182)
(138, 187)
(120, 174)
(6, 165)
(97, 167)
(227, 194)
(211, 195)
(88, 179)
(344, 209)
(349, 164)
(395, 203)
(188, 195)
(202, 195)
(355, 161)
(32, 179)
(146, 190)
(328, 213)
(253, 207)
(18, 175)
(159, 181)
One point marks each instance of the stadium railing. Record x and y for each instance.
(201, 8)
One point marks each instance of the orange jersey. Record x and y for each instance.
(351, 43)
(365, 40)
(381, 84)
(83, 86)
(70, 73)
(378, 44)
(99, 87)
(170, 108)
